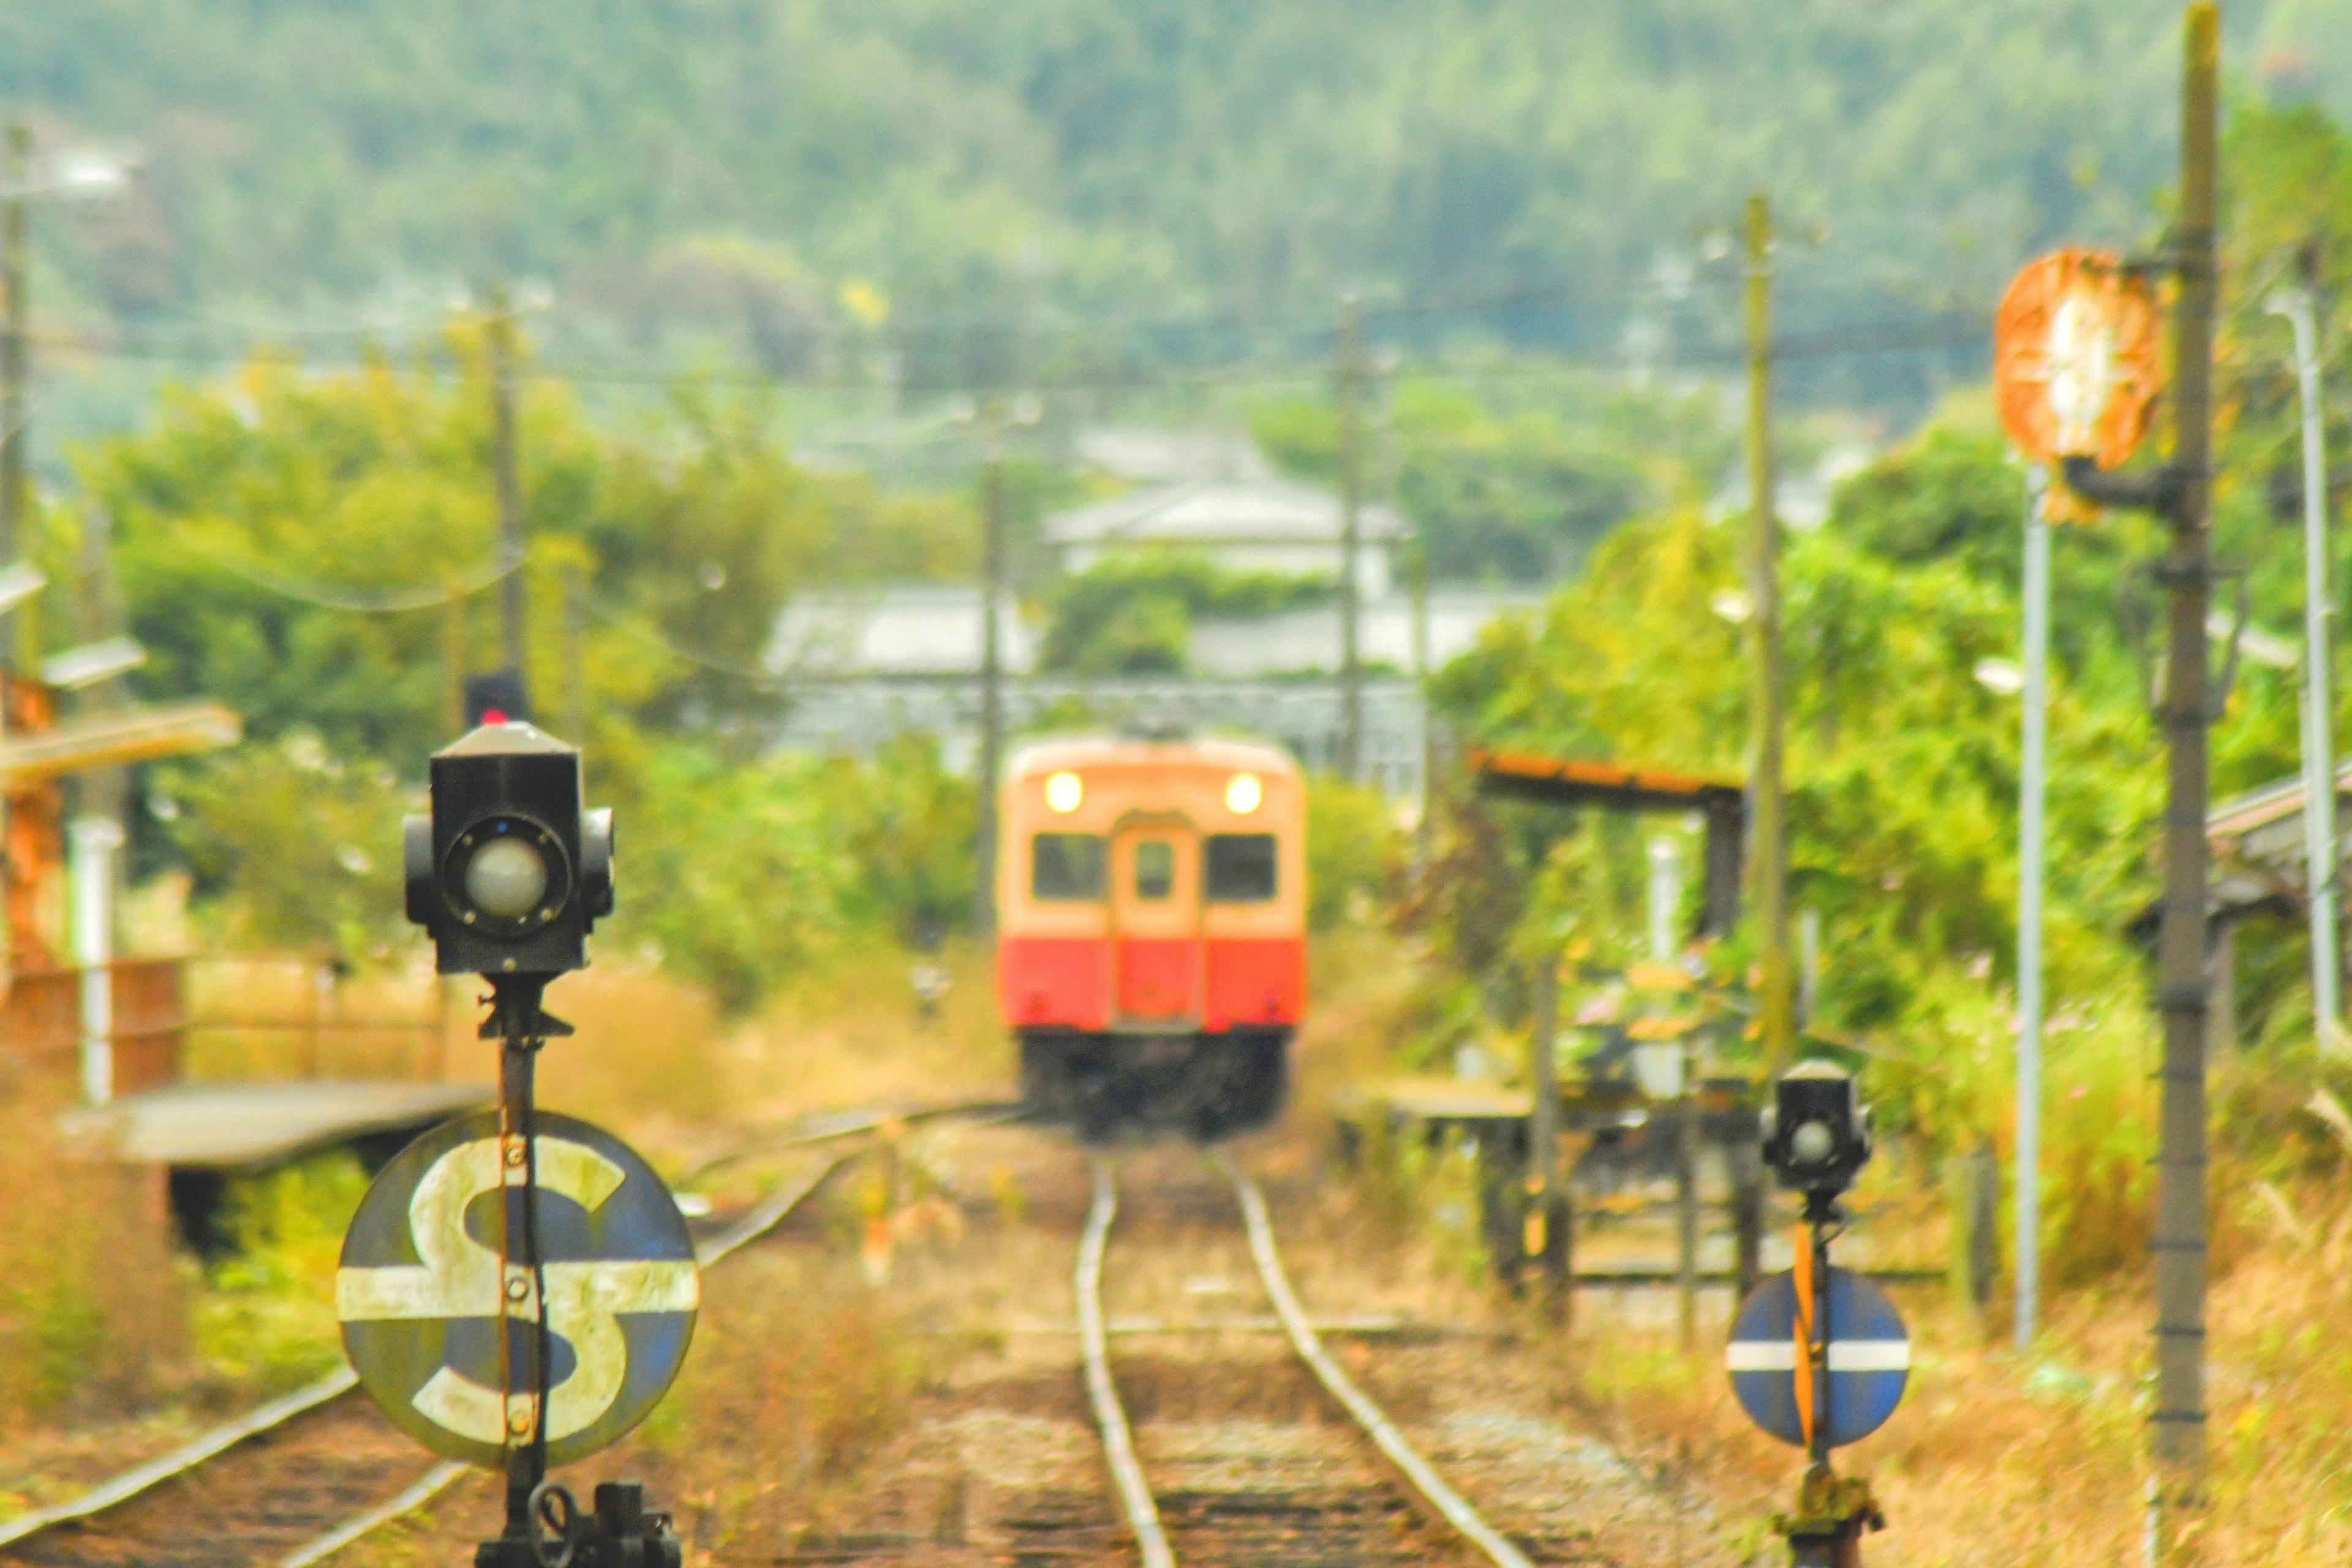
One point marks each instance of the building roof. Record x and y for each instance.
(1208, 512)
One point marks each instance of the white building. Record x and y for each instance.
(1244, 525)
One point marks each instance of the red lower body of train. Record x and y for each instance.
(1189, 1034)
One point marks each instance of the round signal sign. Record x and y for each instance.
(442, 1324)
(2076, 362)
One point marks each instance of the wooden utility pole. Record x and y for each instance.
(16, 343)
(1769, 844)
(2178, 1437)
(501, 345)
(992, 676)
(575, 652)
(2180, 491)
(1351, 669)
(1547, 1241)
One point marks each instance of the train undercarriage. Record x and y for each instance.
(1204, 1086)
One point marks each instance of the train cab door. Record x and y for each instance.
(1157, 971)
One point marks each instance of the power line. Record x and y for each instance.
(396, 601)
(1856, 340)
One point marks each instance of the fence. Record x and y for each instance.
(230, 1017)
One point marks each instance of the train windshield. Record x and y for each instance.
(1155, 871)
(1240, 868)
(1065, 866)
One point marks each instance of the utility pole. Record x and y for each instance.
(2032, 767)
(575, 651)
(2181, 492)
(502, 458)
(992, 673)
(1546, 1240)
(1352, 670)
(1769, 852)
(2319, 738)
(15, 342)
(2181, 1197)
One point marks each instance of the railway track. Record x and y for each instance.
(1304, 1497)
(295, 1480)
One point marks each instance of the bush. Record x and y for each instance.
(1353, 852)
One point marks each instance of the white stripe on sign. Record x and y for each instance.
(1845, 1355)
(1868, 1355)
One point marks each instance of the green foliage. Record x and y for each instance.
(255, 521)
(1515, 491)
(291, 845)
(743, 878)
(1902, 766)
(1038, 161)
(1132, 614)
(1353, 852)
(281, 542)
(747, 871)
(909, 827)
(269, 1313)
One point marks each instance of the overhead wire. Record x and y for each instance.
(396, 601)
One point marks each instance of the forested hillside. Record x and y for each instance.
(989, 184)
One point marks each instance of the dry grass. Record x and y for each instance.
(1997, 1457)
(853, 1035)
(92, 1317)
(781, 1407)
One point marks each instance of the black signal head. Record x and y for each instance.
(509, 872)
(1816, 1131)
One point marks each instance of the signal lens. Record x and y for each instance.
(505, 877)
(1064, 791)
(1243, 793)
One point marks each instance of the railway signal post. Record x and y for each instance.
(2180, 491)
(453, 1338)
(2075, 374)
(1769, 848)
(1819, 1356)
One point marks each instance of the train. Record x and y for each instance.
(1152, 930)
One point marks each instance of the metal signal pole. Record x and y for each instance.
(2319, 738)
(991, 677)
(15, 339)
(2180, 491)
(502, 458)
(1768, 854)
(2032, 766)
(1351, 672)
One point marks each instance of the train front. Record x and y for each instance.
(1152, 952)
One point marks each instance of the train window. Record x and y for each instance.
(1155, 869)
(1241, 868)
(1065, 866)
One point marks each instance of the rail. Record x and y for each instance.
(1110, 1417)
(1449, 1504)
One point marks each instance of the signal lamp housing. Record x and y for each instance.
(508, 873)
(1816, 1131)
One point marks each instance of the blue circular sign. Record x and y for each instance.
(1869, 1359)
(440, 1320)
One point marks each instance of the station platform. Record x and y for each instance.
(228, 1127)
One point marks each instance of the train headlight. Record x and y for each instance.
(1064, 791)
(1244, 791)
